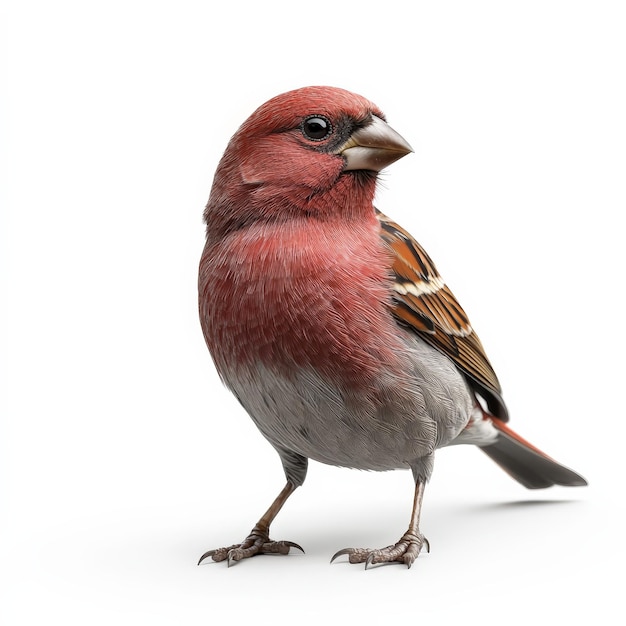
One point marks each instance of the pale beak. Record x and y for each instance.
(373, 147)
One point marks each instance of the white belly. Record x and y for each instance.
(389, 427)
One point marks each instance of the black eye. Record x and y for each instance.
(316, 128)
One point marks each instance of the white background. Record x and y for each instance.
(123, 458)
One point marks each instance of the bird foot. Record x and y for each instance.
(404, 551)
(257, 542)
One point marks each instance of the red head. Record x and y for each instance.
(296, 153)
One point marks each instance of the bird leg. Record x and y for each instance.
(406, 550)
(258, 541)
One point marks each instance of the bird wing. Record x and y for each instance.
(424, 303)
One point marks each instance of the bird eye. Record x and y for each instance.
(316, 128)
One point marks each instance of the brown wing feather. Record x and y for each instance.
(423, 302)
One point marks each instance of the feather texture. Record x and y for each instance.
(424, 303)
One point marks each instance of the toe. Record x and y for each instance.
(404, 551)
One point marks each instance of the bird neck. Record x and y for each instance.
(234, 207)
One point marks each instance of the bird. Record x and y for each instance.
(330, 323)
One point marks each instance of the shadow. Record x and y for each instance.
(522, 504)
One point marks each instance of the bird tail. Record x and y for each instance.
(527, 464)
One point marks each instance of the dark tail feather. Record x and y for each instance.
(528, 465)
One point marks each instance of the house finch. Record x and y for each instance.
(330, 323)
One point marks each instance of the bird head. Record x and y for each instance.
(312, 151)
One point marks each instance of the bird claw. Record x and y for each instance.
(292, 544)
(254, 544)
(404, 551)
(341, 553)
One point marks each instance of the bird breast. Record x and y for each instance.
(300, 329)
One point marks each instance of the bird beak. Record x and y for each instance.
(373, 147)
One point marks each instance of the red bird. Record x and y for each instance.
(330, 323)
